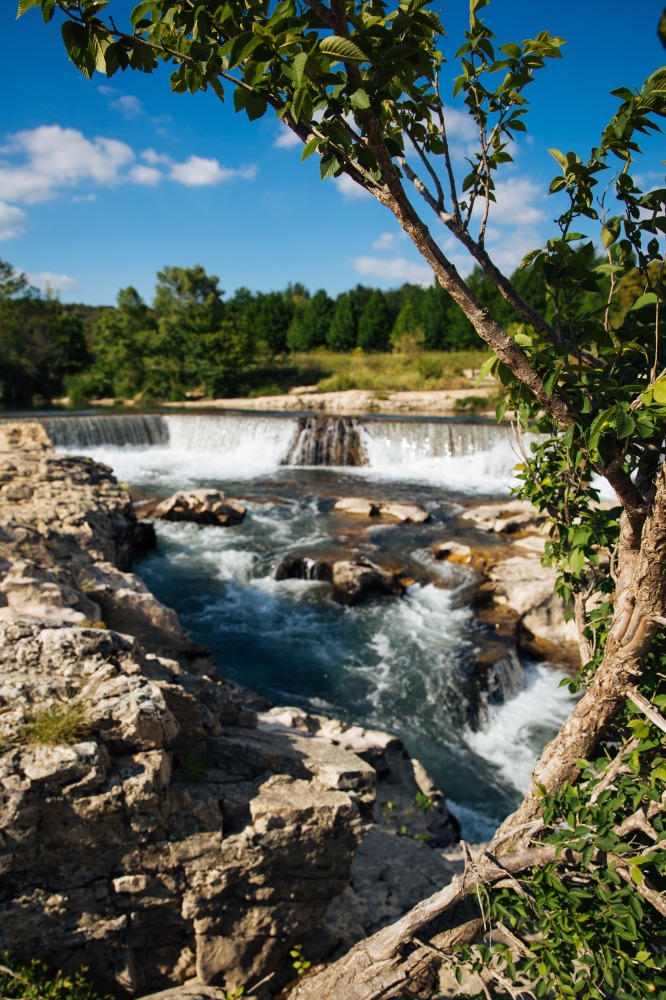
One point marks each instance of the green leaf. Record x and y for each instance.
(25, 5)
(298, 66)
(649, 299)
(255, 106)
(140, 11)
(512, 50)
(486, 368)
(310, 146)
(301, 104)
(341, 48)
(359, 100)
(624, 424)
(637, 875)
(329, 166)
(560, 157)
(609, 233)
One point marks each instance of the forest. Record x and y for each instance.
(194, 340)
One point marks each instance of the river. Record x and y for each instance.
(394, 664)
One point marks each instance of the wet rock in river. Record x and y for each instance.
(404, 512)
(353, 580)
(200, 506)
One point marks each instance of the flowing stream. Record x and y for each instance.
(395, 664)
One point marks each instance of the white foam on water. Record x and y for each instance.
(516, 731)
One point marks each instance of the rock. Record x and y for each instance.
(168, 842)
(200, 506)
(505, 518)
(405, 512)
(400, 860)
(454, 551)
(496, 677)
(528, 588)
(355, 581)
(357, 505)
(352, 580)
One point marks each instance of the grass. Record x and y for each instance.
(333, 372)
(57, 724)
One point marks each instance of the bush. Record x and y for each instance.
(38, 982)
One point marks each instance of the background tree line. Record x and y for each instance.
(192, 339)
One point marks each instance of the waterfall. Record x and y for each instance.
(407, 440)
(133, 430)
(247, 435)
(467, 456)
(324, 440)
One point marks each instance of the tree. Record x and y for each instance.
(571, 885)
(274, 314)
(343, 331)
(41, 344)
(374, 325)
(309, 328)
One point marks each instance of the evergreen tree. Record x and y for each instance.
(343, 330)
(274, 314)
(309, 328)
(374, 326)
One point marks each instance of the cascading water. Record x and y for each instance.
(134, 430)
(402, 665)
(332, 441)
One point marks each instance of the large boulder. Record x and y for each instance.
(200, 506)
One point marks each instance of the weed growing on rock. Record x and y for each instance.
(56, 724)
(300, 964)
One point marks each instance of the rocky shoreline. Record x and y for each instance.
(170, 835)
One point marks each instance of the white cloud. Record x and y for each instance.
(11, 221)
(460, 125)
(285, 138)
(507, 247)
(395, 269)
(152, 157)
(46, 281)
(145, 175)
(198, 171)
(514, 205)
(54, 157)
(129, 105)
(349, 189)
(387, 241)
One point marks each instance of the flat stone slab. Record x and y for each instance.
(361, 506)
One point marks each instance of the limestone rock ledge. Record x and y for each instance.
(170, 838)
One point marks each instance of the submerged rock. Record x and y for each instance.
(200, 506)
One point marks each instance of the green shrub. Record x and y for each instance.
(38, 982)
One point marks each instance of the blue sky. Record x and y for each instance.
(104, 182)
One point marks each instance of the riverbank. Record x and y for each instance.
(443, 402)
